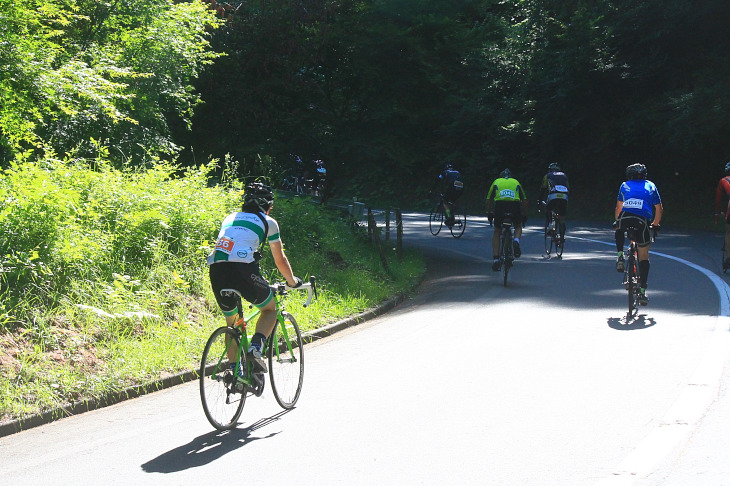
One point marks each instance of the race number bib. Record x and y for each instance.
(634, 203)
(507, 194)
(224, 245)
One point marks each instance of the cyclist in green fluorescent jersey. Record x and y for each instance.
(507, 196)
(234, 262)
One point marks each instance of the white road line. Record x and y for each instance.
(696, 397)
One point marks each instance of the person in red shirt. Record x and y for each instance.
(722, 207)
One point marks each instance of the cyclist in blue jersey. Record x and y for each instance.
(638, 206)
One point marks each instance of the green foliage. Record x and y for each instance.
(103, 280)
(113, 71)
(65, 223)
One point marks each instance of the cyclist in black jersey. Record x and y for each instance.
(554, 191)
(451, 186)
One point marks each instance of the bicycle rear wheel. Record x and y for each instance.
(506, 252)
(436, 219)
(548, 238)
(457, 230)
(221, 403)
(559, 244)
(286, 362)
(632, 285)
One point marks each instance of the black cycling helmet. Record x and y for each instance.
(636, 171)
(257, 197)
(554, 167)
(727, 168)
(505, 174)
(448, 166)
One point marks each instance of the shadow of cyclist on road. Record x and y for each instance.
(208, 447)
(631, 323)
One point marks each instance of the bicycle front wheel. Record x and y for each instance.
(221, 403)
(286, 361)
(457, 230)
(435, 220)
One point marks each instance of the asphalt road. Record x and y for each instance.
(540, 382)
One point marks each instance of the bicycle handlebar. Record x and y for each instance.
(280, 288)
(310, 287)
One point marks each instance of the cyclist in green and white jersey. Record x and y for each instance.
(233, 264)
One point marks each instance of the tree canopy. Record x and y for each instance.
(118, 73)
(384, 91)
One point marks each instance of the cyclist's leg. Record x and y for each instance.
(495, 240)
(255, 289)
(642, 250)
(517, 225)
(561, 210)
(226, 275)
(267, 319)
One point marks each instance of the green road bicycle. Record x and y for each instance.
(223, 387)
(437, 219)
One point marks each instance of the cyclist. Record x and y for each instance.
(554, 191)
(638, 206)
(451, 185)
(722, 207)
(233, 264)
(507, 196)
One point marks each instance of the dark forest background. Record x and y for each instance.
(386, 91)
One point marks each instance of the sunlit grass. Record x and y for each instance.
(104, 284)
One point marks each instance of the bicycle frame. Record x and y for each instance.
(506, 258)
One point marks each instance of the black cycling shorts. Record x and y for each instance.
(244, 277)
(452, 194)
(511, 208)
(640, 225)
(558, 206)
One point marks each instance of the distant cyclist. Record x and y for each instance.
(722, 208)
(507, 196)
(451, 186)
(638, 206)
(554, 191)
(234, 263)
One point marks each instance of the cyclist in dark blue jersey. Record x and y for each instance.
(638, 206)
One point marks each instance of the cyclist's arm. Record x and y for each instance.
(719, 195)
(658, 212)
(282, 262)
(619, 207)
(490, 197)
(523, 198)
